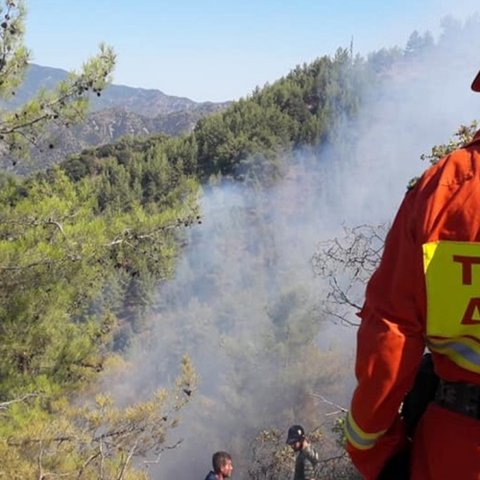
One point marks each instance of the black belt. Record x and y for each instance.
(463, 398)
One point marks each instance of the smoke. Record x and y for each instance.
(244, 303)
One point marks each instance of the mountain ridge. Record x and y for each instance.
(120, 110)
(144, 101)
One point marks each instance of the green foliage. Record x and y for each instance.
(64, 237)
(22, 128)
(99, 440)
(83, 244)
(14, 55)
(418, 44)
(339, 430)
(225, 139)
(461, 137)
(303, 108)
(251, 139)
(381, 60)
(81, 247)
(272, 459)
(77, 270)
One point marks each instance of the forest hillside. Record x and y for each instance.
(157, 296)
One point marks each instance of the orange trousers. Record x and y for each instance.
(446, 446)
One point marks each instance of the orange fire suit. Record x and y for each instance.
(425, 293)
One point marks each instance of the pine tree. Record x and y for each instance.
(22, 128)
(61, 250)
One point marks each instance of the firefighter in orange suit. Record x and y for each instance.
(425, 293)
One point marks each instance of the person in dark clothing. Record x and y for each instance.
(222, 466)
(307, 456)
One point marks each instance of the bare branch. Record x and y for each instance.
(168, 447)
(127, 460)
(5, 405)
(329, 402)
(39, 463)
(346, 264)
(88, 461)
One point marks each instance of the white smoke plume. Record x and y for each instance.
(244, 295)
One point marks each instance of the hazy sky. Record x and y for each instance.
(221, 49)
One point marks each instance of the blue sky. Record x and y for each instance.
(220, 50)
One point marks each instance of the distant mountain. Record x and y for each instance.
(145, 102)
(106, 126)
(120, 110)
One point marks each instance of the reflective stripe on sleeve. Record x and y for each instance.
(357, 437)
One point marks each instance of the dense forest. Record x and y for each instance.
(87, 249)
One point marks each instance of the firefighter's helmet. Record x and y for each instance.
(476, 83)
(296, 433)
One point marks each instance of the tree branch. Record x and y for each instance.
(5, 405)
